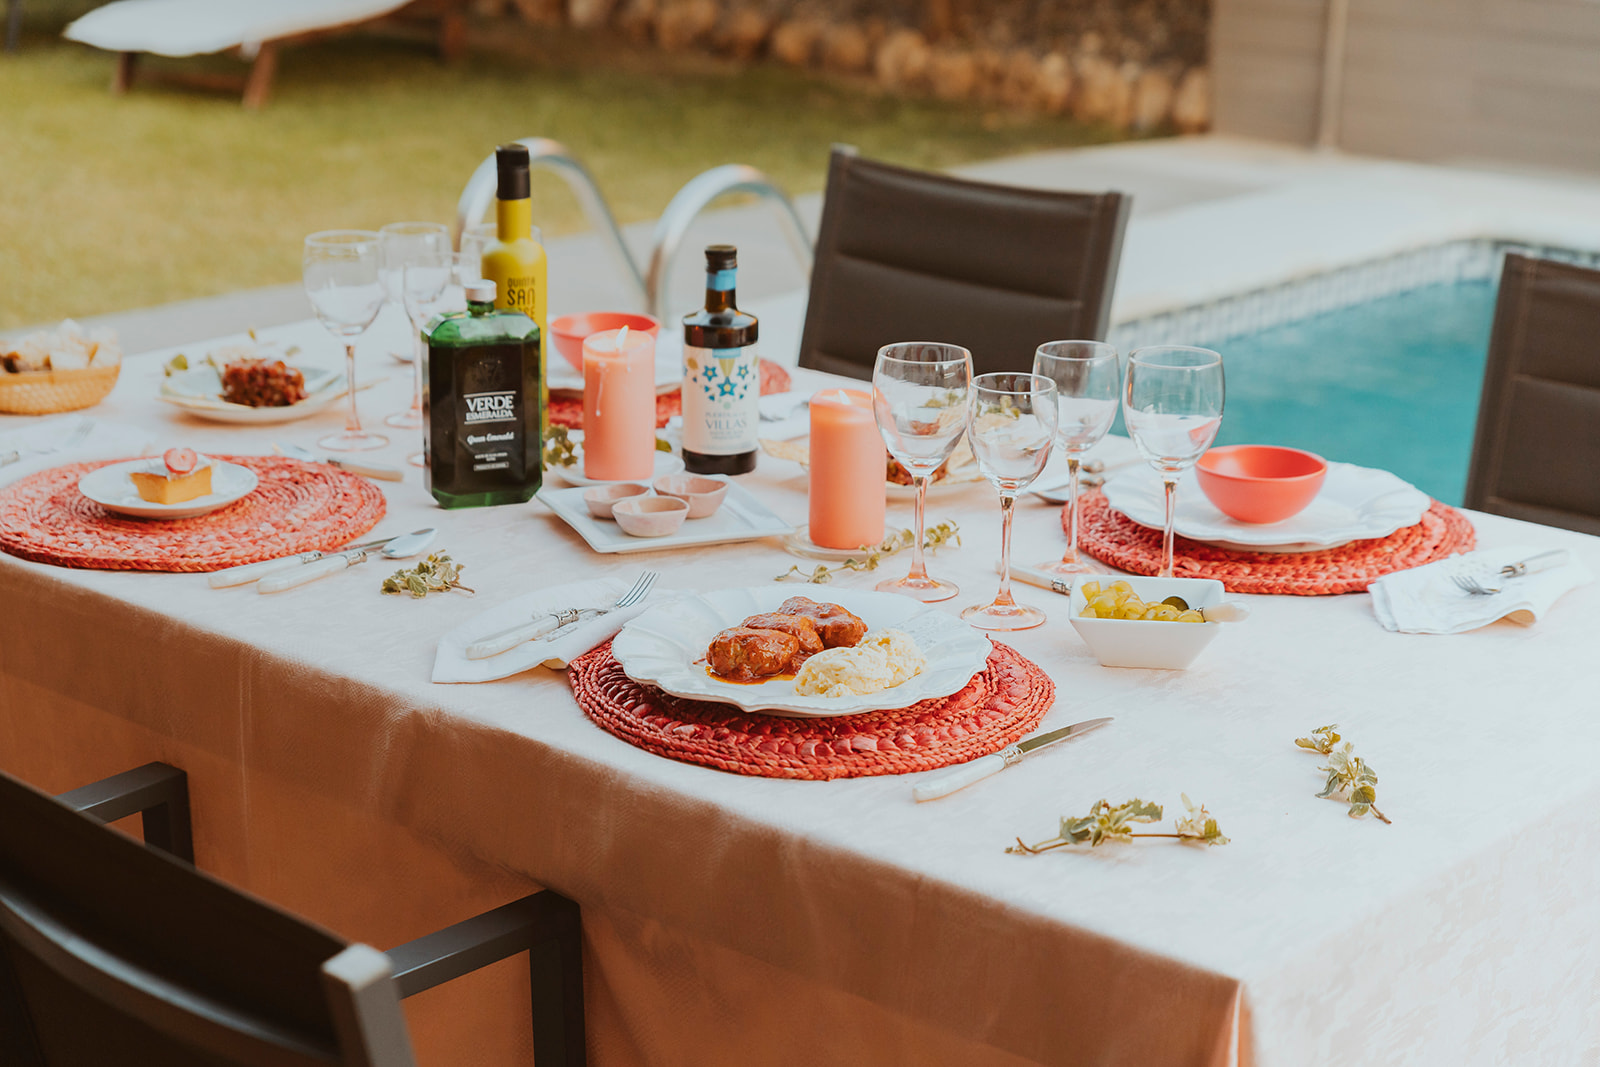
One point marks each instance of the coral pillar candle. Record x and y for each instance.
(848, 464)
(619, 405)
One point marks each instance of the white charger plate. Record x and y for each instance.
(1354, 504)
(741, 517)
(112, 489)
(666, 647)
(198, 391)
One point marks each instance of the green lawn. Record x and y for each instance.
(110, 203)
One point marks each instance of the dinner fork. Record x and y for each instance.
(1470, 584)
(79, 435)
(549, 623)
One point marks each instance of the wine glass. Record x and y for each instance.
(1011, 422)
(1088, 384)
(475, 240)
(919, 397)
(1172, 403)
(427, 245)
(340, 270)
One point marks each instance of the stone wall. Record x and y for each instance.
(1132, 64)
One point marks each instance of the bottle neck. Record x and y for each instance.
(480, 307)
(720, 290)
(513, 219)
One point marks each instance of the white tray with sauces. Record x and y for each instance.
(741, 517)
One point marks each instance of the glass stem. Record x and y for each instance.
(1166, 533)
(1008, 502)
(918, 570)
(1072, 510)
(419, 348)
(352, 422)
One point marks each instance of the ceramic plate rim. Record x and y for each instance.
(188, 509)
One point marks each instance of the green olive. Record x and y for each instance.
(1177, 602)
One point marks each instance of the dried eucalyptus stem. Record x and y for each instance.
(1350, 778)
(1107, 823)
(933, 539)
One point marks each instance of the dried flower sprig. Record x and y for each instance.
(559, 448)
(436, 574)
(933, 539)
(1107, 823)
(1350, 778)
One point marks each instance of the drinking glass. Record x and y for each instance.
(425, 245)
(1172, 403)
(340, 270)
(919, 397)
(475, 240)
(1088, 384)
(1011, 422)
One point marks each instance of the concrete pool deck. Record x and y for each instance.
(1213, 217)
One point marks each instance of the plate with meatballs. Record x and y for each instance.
(250, 385)
(764, 649)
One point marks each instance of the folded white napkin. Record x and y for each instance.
(1424, 600)
(785, 416)
(450, 663)
(66, 443)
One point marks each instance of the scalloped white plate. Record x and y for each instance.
(112, 489)
(666, 647)
(1354, 504)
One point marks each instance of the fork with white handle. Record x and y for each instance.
(548, 623)
(1544, 561)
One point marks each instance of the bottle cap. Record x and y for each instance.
(480, 291)
(721, 257)
(511, 162)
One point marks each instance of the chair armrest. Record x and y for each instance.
(482, 940)
(157, 791)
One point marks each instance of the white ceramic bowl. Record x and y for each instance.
(650, 516)
(703, 495)
(1170, 646)
(602, 498)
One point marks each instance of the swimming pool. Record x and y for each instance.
(1392, 382)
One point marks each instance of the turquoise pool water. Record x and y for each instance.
(1392, 383)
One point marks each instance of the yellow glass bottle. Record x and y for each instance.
(516, 262)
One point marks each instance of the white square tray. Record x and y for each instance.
(740, 518)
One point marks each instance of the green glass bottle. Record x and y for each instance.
(481, 404)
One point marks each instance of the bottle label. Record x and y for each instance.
(721, 400)
(720, 280)
(491, 430)
(522, 294)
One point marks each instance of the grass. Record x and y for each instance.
(167, 193)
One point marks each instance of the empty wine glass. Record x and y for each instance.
(425, 245)
(1172, 403)
(475, 240)
(1088, 385)
(919, 396)
(1011, 422)
(340, 270)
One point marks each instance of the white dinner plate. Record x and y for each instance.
(560, 377)
(741, 517)
(666, 647)
(198, 391)
(112, 489)
(1354, 504)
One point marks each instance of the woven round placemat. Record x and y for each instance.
(1112, 537)
(1001, 704)
(568, 410)
(296, 507)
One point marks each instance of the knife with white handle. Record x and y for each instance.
(309, 572)
(979, 769)
(249, 572)
(375, 471)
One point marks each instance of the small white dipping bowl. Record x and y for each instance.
(703, 495)
(650, 516)
(1170, 646)
(602, 498)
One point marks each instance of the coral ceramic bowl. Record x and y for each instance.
(650, 516)
(570, 331)
(602, 498)
(1260, 483)
(1169, 646)
(703, 495)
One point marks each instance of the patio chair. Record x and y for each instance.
(112, 952)
(904, 255)
(1537, 446)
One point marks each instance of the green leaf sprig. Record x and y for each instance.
(1106, 822)
(436, 574)
(559, 448)
(1350, 778)
(933, 539)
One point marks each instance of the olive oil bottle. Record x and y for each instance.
(721, 376)
(516, 261)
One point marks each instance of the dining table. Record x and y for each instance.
(741, 919)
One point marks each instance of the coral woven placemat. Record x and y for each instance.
(297, 507)
(1110, 536)
(568, 410)
(1000, 705)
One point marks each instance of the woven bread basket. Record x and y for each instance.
(46, 392)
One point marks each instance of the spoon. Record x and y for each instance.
(401, 547)
(246, 573)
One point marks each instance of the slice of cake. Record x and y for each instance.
(181, 475)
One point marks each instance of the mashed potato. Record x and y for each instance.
(881, 661)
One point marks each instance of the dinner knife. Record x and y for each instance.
(979, 769)
(249, 572)
(376, 471)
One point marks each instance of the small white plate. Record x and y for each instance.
(1354, 504)
(666, 463)
(198, 391)
(740, 518)
(112, 489)
(666, 647)
(560, 377)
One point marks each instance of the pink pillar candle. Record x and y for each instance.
(848, 470)
(619, 405)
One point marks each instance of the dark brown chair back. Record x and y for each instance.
(1536, 455)
(905, 255)
(114, 953)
